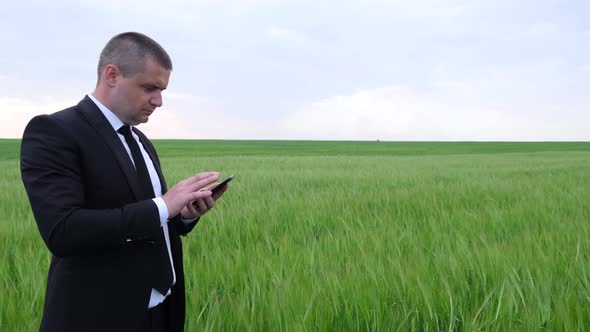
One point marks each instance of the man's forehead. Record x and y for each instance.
(155, 74)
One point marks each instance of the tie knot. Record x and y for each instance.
(125, 130)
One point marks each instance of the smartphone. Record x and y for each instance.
(219, 186)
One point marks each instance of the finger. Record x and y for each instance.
(202, 176)
(199, 194)
(200, 205)
(192, 209)
(202, 183)
(212, 185)
(209, 201)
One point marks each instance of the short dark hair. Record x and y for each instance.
(129, 51)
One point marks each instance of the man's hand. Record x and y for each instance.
(188, 190)
(201, 206)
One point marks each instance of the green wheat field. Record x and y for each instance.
(369, 236)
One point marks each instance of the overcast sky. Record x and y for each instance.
(329, 70)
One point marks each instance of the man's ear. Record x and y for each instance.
(111, 74)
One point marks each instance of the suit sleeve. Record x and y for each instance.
(182, 227)
(53, 177)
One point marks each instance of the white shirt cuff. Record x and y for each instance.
(162, 209)
(188, 221)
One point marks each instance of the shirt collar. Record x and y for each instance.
(111, 117)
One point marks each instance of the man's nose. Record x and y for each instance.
(156, 99)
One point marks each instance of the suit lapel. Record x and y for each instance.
(91, 112)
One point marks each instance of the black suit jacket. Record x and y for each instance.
(108, 247)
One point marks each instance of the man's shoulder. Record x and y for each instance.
(67, 119)
(69, 114)
(65, 115)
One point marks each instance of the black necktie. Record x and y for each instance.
(143, 175)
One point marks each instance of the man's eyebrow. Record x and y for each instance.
(154, 86)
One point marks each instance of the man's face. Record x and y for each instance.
(137, 96)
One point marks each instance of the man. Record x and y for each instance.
(101, 204)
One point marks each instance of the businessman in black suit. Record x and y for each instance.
(101, 203)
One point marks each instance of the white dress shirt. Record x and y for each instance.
(156, 297)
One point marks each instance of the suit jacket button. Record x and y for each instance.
(151, 243)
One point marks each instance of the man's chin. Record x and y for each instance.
(137, 122)
(145, 117)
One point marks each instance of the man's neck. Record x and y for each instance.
(101, 96)
(113, 119)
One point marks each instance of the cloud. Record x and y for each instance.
(401, 113)
(425, 8)
(316, 70)
(183, 96)
(187, 116)
(16, 112)
(542, 30)
(365, 114)
(286, 36)
(183, 116)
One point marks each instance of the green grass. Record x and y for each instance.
(360, 236)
